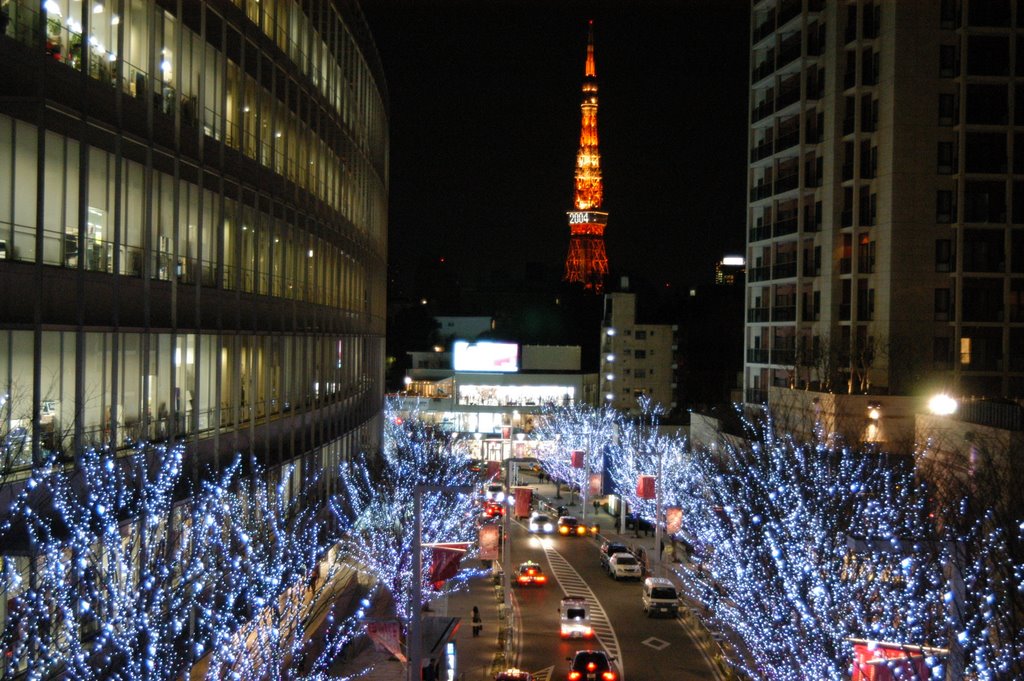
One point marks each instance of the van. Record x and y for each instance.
(574, 614)
(660, 597)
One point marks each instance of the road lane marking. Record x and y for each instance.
(656, 643)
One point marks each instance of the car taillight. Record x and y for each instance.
(541, 578)
(524, 580)
(573, 676)
(591, 666)
(608, 676)
(531, 571)
(588, 632)
(581, 530)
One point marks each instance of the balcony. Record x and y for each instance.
(762, 70)
(764, 30)
(784, 184)
(812, 270)
(787, 226)
(756, 315)
(763, 150)
(846, 218)
(848, 125)
(784, 314)
(761, 233)
(786, 356)
(814, 224)
(787, 97)
(788, 53)
(847, 172)
(845, 265)
(757, 355)
(763, 109)
(844, 312)
(759, 273)
(790, 139)
(761, 191)
(784, 270)
(788, 11)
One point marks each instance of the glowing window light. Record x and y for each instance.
(942, 405)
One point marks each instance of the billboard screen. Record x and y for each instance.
(486, 356)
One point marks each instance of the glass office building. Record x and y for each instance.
(193, 228)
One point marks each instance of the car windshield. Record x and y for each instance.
(541, 519)
(576, 613)
(663, 592)
(625, 559)
(585, 658)
(617, 548)
(527, 568)
(565, 520)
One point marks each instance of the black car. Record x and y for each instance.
(609, 549)
(591, 665)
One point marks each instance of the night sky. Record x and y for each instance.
(485, 118)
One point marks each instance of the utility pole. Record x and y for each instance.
(414, 641)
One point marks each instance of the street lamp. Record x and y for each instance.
(415, 641)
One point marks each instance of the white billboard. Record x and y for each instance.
(486, 356)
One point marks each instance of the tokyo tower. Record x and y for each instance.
(586, 262)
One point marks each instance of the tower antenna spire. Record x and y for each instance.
(586, 262)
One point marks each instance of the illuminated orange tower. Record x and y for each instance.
(587, 263)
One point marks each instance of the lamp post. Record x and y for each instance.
(414, 645)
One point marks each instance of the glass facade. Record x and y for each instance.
(193, 228)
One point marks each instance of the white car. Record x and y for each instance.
(624, 566)
(574, 614)
(541, 524)
(494, 491)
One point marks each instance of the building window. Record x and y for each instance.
(640, 373)
(943, 304)
(640, 354)
(640, 335)
(947, 109)
(943, 255)
(946, 158)
(941, 352)
(948, 61)
(944, 206)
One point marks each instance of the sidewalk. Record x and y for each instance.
(476, 654)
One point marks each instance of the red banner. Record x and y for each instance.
(524, 499)
(488, 538)
(876, 661)
(595, 484)
(444, 562)
(493, 470)
(386, 637)
(577, 458)
(645, 487)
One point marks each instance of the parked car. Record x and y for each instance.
(591, 665)
(660, 597)
(610, 548)
(624, 566)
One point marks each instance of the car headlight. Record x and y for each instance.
(533, 527)
(500, 496)
(548, 527)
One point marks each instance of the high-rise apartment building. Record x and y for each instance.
(885, 243)
(637, 359)
(193, 229)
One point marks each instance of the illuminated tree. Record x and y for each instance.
(127, 583)
(376, 504)
(577, 427)
(789, 539)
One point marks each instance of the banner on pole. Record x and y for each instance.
(489, 542)
(444, 562)
(645, 487)
(595, 484)
(673, 519)
(386, 637)
(577, 458)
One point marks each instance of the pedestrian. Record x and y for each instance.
(478, 623)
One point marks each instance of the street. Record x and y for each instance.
(645, 648)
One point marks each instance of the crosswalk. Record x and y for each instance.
(574, 586)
